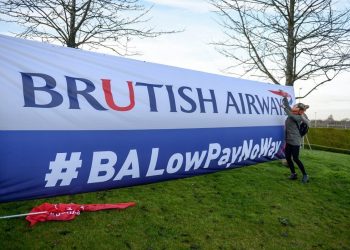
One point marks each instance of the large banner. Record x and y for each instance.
(73, 121)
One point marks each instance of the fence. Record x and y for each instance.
(335, 139)
(330, 124)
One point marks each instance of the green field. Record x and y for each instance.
(330, 137)
(255, 207)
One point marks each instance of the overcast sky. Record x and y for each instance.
(192, 49)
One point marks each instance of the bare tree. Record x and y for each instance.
(75, 23)
(286, 40)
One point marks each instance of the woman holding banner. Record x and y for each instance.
(296, 116)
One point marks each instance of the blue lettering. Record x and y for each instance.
(211, 100)
(264, 105)
(171, 96)
(29, 90)
(274, 106)
(73, 93)
(188, 100)
(151, 94)
(242, 102)
(250, 103)
(231, 102)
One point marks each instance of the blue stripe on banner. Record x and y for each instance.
(36, 164)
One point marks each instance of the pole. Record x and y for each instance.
(21, 215)
(315, 119)
(307, 139)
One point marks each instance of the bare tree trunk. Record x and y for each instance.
(71, 33)
(286, 40)
(290, 46)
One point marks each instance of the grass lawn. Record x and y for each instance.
(330, 137)
(255, 207)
